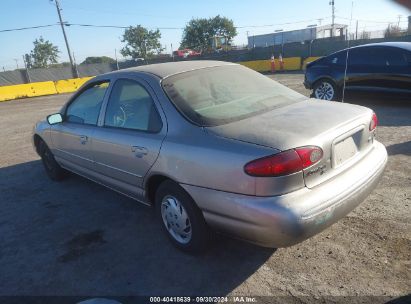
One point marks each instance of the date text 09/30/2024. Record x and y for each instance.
(233, 299)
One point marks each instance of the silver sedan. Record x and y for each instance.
(215, 146)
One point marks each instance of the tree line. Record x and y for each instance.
(140, 42)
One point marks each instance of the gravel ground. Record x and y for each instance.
(78, 238)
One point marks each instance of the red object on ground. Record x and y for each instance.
(272, 64)
(186, 53)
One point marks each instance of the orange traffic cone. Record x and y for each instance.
(272, 64)
(280, 59)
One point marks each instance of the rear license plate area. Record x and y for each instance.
(345, 149)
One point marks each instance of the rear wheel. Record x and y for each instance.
(181, 219)
(53, 169)
(326, 90)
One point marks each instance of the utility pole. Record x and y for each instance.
(75, 66)
(74, 70)
(320, 20)
(17, 63)
(399, 20)
(115, 55)
(356, 30)
(332, 17)
(27, 70)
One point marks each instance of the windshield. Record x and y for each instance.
(223, 94)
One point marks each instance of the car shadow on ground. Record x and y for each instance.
(79, 238)
(406, 299)
(402, 148)
(393, 110)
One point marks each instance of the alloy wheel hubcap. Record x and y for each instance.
(324, 91)
(175, 219)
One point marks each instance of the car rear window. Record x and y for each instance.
(223, 94)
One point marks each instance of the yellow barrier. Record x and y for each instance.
(41, 88)
(308, 60)
(290, 64)
(70, 85)
(15, 91)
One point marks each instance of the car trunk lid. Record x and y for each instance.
(340, 130)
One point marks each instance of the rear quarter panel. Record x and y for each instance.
(193, 157)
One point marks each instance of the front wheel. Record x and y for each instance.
(53, 169)
(326, 90)
(181, 219)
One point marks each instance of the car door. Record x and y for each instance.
(72, 138)
(128, 142)
(398, 72)
(366, 67)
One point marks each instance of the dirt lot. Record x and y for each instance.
(78, 238)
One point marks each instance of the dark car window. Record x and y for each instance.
(366, 57)
(377, 56)
(130, 106)
(407, 56)
(338, 58)
(85, 108)
(396, 57)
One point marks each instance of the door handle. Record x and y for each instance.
(139, 151)
(83, 139)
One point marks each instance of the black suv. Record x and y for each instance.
(384, 66)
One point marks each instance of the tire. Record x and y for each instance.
(325, 89)
(53, 169)
(181, 219)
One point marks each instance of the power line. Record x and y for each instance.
(371, 21)
(278, 24)
(118, 26)
(181, 28)
(116, 12)
(28, 28)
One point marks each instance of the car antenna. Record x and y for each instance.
(346, 57)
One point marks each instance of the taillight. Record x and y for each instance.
(374, 122)
(284, 163)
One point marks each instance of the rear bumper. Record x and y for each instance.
(285, 220)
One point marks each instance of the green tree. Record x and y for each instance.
(102, 59)
(43, 55)
(140, 42)
(198, 33)
(393, 31)
(60, 65)
(29, 62)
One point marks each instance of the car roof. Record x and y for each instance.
(402, 45)
(164, 70)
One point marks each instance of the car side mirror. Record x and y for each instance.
(54, 119)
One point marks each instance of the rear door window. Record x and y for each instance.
(366, 57)
(396, 57)
(130, 106)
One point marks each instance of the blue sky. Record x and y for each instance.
(373, 15)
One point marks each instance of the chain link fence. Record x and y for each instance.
(305, 49)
